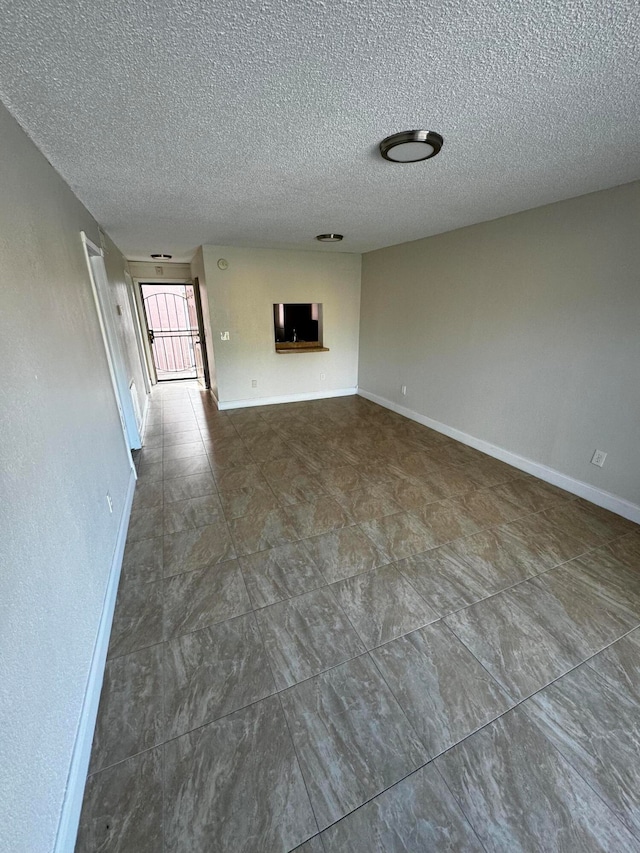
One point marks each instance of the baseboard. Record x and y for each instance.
(79, 767)
(286, 398)
(607, 500)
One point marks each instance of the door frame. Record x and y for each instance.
(193, 282)
(98, 279)
(137, 281)
(203, 341)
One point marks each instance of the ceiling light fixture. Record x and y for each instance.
(329, 238)
(161, 257)
(411, 146)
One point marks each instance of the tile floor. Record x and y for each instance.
(337, 630)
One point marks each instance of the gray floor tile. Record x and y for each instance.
(447, 520)
(248, 476)
(150, 472)
(351, 737)
(511, 644)
(192, 513)
(590, 524)
(137, 621)
(130, 713)
(299, 487)
(314, 845)
(143, 560)
(262, 530)
(547, 544)
(306, 635)
(192, 486)
(173, 468)
(619, 664)
(213, 672)
(183, 451)
(316, 517)
(576, 609)
(488, 508)
(521, 796)
(597, 729)
(194, 600)
(398, 536)
(627, 550)
(444, 580)
(343, 553)
(144, 524)
(233, 781)
(441, 687)
(279, 573)
(187, 437)
(195, 549)
(147, 495)
(250, 500)
(381, 605)
(532, 495)
(342, 479)
(236, 785)
(500, 558)
(418, 814)
(122, 807)
(412, 497)
(367, 504)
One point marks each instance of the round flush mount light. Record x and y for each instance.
(161, 257)
(411, 146)
(329, 238)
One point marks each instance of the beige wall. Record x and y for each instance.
(241, 301)
(62, 450)
(144, 270)
(523, 332)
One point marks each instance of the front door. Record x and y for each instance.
(171, 312)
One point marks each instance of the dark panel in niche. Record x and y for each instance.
(298, 322)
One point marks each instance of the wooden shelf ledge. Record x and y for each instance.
(297, 348)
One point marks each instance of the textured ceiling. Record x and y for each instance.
(181, 122)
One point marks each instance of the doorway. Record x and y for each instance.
(173, 314)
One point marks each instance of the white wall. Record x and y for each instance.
(241, 301)
(523, 332)
(62, 449)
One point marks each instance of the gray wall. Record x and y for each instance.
(523, 332)
(61, 450)
(240, 300)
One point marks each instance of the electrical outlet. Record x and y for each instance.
(109, 502)
(403, 390)
(254, 383)
(323, 376)
(224, 336)
(598, 458)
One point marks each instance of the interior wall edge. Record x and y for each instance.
(600, 497)
(79, 765)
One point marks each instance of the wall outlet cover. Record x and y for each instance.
(224, 336)
(598, 458)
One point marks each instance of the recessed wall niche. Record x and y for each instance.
(298, 327)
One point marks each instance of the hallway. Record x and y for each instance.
(337, 630)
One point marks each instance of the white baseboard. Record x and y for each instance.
(79, 767)
(607, 500)
(286, 398)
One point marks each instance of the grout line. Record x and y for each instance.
(392, 422)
